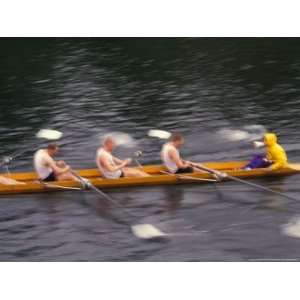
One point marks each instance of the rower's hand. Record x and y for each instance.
(128, 161)
(193, 164)
(188, 163)
(221, 174)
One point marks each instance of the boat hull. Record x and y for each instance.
(157, 178)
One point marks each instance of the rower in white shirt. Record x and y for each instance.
(171, 157)
(48, 169)
(112, 167)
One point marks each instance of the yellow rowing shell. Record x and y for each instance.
(157, 178)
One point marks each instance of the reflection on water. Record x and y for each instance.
(173, 197)
(208, 89)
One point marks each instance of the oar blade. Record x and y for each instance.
(292, 228)
(49, 134)
(147, 231)
(161, 134)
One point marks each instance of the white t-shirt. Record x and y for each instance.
(40, 164)
(168, 162)
(101, 153)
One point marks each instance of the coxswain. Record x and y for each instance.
(274, 158)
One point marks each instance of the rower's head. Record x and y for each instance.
(177, 140)
(52, 149)
(270, 139)
(109, 143)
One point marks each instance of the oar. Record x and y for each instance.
(56, 186)
(186, 177)
(142, 231)
(47, 134)
(138, 154)
(226, 175)
(161, 134)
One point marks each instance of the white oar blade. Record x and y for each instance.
(161, 134)
(49, 134)
(292, 229)
(146, 231)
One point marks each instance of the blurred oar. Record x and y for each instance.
(186, 177)
(137, 155)
(47, 134)
(56, 186)
(161, 134)
(142, 231)
(226, 175)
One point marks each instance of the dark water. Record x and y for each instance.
(89, 87)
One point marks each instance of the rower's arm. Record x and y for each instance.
(117, 160)
(176, 158)
(52, 164)
(109, 166)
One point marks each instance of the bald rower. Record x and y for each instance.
(112, 167)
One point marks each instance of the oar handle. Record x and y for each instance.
(136, 155)
(211, 171)
(84, 182)
(181, 176)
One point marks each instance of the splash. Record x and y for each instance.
(122, 139)
(234, 135)
(248, 133)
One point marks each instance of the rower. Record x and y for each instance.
(171, 157)
(48, 169)
(275, 152)
(275, 157)
(112, 167)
